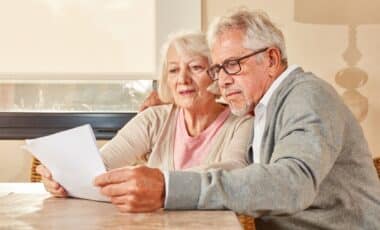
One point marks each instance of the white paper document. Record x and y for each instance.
(73, 159)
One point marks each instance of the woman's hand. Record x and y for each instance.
(50, 185)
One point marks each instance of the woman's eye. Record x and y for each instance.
(173, 70)
(197, 67)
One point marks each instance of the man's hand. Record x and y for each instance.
(151, 100)
(50, 185)
(133, 189)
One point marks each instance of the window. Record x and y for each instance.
(82, 60)
(88, 39)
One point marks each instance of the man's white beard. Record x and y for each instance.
(244, 110)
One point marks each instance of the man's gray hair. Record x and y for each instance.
(259, 30)
(185, 43)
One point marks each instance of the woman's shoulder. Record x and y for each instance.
(158, 111)
(165, 108)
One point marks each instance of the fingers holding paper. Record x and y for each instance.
(49, 183)
(133, 189)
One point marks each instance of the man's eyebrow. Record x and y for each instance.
(233, 58)
(225, 60)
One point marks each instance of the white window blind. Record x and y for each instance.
(88, 39)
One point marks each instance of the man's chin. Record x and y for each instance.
(240, 110)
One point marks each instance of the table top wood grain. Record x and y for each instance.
(28, 206)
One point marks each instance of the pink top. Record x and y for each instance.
(190, 151)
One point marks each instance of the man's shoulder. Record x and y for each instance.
(305, 85)
(304, 92)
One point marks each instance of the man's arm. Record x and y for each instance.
(253, 190)
(152, 100)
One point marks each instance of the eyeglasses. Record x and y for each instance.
(231, 66)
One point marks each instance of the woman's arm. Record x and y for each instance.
(131, 144)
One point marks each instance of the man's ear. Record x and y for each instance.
(271, 62)
(275, 64)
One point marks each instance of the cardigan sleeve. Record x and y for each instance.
(133, 142)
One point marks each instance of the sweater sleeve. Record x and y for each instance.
(133, 142)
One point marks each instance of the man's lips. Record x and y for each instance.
(232, 93)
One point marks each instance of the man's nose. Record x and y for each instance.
(224, 80)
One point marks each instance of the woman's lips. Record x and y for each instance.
(186, 92)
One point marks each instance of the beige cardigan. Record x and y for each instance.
(149, 136)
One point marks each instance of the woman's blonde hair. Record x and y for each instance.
(185, 42)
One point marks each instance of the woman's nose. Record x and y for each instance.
(184, 76)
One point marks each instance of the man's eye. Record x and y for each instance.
(231, 64)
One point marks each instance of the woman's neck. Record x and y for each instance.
(197, 120)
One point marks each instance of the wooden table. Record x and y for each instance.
(28, 206)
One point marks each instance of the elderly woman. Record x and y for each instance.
(192, 132)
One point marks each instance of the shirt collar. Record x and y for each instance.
(265, 99)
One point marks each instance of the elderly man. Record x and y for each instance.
(311, 167)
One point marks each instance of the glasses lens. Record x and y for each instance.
(232, 66)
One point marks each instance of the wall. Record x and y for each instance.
(327, 37)
(15, 162)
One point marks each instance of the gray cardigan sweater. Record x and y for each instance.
(316, 170)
